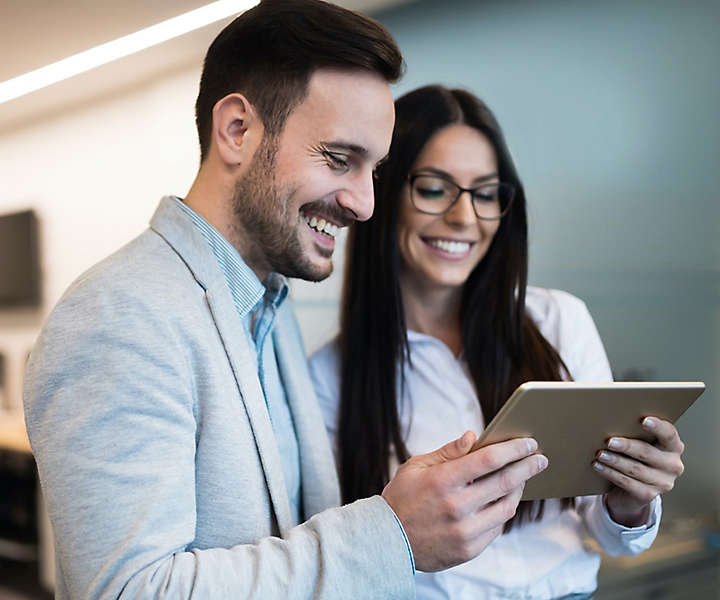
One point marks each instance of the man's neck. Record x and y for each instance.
(213, 202)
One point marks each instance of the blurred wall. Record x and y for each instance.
(609, 109)
(94, 175)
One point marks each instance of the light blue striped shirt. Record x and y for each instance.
(257, 305)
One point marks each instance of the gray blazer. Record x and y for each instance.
(157, 458)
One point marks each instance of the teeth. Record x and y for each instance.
(322, 226)
(451, 247)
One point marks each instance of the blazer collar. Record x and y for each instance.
(178, 230)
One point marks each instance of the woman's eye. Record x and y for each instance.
(485, 194)
(431, 193)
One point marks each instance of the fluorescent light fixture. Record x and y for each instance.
(124, 46)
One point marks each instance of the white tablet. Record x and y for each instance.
(572, 421)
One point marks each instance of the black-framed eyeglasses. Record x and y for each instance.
(436, 195)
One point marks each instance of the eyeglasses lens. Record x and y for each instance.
(435, 195)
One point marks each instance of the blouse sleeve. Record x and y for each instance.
(566, 323)
(614, 538)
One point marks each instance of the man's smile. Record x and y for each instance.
(321, 223)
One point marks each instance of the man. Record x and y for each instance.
(178, 440)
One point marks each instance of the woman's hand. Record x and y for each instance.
(640, 471)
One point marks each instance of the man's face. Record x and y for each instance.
(316, 176)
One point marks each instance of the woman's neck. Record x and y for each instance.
(434, 311)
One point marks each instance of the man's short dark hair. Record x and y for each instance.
(270, 52)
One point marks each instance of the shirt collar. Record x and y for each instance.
(276, 289)
(417, 338)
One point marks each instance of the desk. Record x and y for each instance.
(13, 437)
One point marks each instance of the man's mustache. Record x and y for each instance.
(330, 210)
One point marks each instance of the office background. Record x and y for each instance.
(611, 113)
(610, 110)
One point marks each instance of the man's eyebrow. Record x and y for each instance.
(447, 175)
(361, 151)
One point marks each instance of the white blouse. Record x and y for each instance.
(535, 561)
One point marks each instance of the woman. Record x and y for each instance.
(438, 327)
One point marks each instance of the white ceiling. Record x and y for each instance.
(34, 33)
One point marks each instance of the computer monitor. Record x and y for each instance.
(19, 260)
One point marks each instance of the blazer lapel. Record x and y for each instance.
(178, 230)
(243, 361)
(320, 488)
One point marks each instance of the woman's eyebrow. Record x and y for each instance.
(486, 177)
(447, 175)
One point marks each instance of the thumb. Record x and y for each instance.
(449, 451)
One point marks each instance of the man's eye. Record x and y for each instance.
(336, 161)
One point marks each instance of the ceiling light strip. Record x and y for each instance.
(124, 46)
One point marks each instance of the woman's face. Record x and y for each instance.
(442, 250)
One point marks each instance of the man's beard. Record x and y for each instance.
(261, 210)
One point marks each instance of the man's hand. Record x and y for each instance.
(640, 471)
(453, 504)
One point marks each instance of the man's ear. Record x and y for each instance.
(237, 129)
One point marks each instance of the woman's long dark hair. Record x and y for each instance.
(501, 344)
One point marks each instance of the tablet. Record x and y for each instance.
(571, 421)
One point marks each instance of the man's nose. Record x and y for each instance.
(358, 198)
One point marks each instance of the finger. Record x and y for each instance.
(658, 479)
(473, 545)
(490, 458)
(496, 514)
(448, 452)
(667, 435)
(503, 482)
(645, 452)
(482, 527)
(484, 539)
(487, 523)
(640, 491)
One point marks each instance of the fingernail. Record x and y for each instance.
(542, 462)
(615, 443)
(605, 457)
(531, 445)
(598, 467)
(649, 423)
(465, 440)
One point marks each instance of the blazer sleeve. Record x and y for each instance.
(110, 411)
